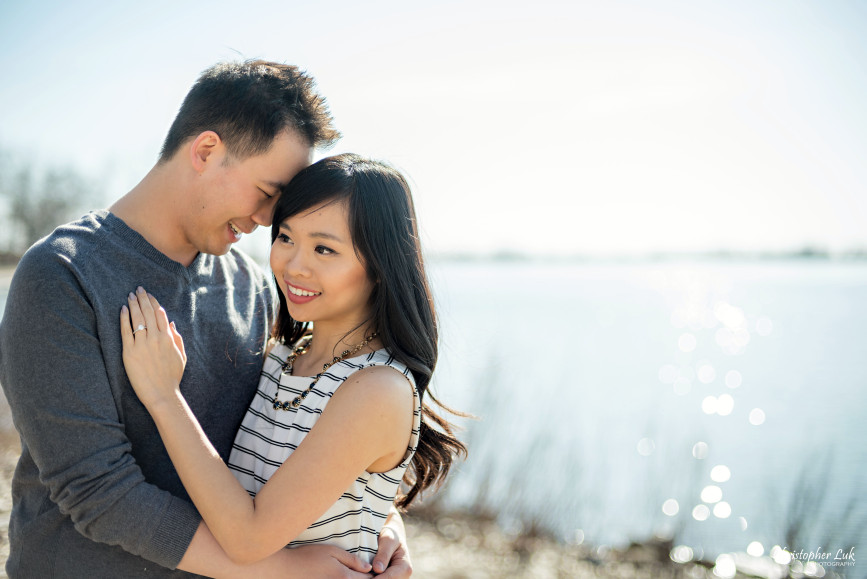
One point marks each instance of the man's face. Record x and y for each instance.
(234, 197)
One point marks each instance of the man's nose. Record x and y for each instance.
(265, 212)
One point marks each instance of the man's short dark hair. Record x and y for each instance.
(248, 104)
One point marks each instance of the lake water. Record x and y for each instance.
(720, 402)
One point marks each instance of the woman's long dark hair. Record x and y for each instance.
(383, 227)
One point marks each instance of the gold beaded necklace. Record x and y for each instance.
(302, 348)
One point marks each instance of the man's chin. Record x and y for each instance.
(218, 250)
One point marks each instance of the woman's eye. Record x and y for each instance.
(265, 193)
(324, 250)
(283, 238)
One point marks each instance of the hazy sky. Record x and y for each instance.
(546, 127)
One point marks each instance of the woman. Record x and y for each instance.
(339, 416)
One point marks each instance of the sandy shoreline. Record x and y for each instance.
(463, 546)
(8, 458)
(6, 272)
(460, 546)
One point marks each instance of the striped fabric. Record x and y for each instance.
(268, 436)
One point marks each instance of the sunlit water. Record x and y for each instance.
(618, 401)
(693, 399)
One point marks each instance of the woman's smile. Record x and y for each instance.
(299, 295)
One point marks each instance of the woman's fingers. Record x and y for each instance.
(179, 341)
(135, 314)
(147, 310)
(144, 311)
(154, 361)
(125, 328)
(160, 314)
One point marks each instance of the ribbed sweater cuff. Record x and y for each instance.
(174, 534)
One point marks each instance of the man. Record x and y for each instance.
(94, 493)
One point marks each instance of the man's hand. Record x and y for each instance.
(392, 558)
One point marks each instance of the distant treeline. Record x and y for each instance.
(806, 253)
(34, 200)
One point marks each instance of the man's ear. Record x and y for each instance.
(205, 149)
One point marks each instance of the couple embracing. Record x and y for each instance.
(179, 414)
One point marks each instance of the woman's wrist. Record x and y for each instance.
(162, 403)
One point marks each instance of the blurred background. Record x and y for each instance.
(645, 230)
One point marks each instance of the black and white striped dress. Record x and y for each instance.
(268, 436)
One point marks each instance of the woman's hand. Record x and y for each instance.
(153, 353)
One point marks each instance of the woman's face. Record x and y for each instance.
(314, 261)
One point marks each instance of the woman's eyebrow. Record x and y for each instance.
(316, 234)
(325, 235)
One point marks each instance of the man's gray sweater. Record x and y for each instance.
(94, 493)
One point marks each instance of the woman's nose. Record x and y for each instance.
(297, 264)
